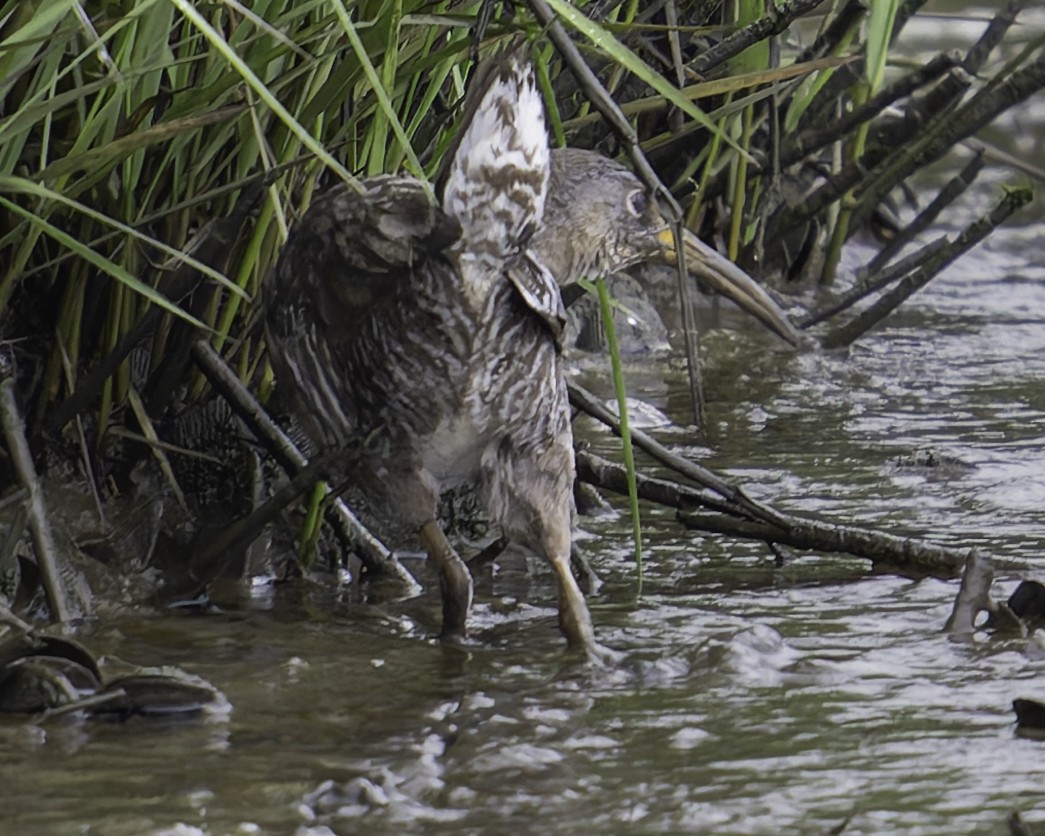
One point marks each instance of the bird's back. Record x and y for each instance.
(421, 333)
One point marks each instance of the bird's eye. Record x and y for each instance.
(637, 203)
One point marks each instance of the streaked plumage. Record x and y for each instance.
(425, 338)
(429, 337)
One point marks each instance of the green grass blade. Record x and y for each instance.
(622, 411)
(102, 263)
(20, 185)
(188, 9)
(879, 34)
(387, 108)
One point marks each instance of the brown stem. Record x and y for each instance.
(352, 533)
(39, 520)
(972, 235)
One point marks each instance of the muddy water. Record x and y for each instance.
(748, 699)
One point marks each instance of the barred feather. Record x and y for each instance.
(498, 180)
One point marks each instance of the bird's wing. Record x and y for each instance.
(498, 178)
(351, 250)
(540, 291)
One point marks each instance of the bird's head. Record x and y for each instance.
(599, 219)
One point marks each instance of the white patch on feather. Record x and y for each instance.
(499, 176)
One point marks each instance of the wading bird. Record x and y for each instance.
(425, 337)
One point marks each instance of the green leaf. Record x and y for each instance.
(102, 263)
(622, 413)
(631, 62)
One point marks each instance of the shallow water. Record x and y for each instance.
(748, 699)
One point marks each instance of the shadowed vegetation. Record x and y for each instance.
(153, 156)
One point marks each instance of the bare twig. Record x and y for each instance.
(1013, 200)
(374, 554)
(888, 552)
(875, 283)
(210, 560)
(955, 187)
(39, 522)
(603, 473)
(743, 504)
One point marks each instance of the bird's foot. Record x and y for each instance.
(575, 624)
(456, 586)
(455, 583)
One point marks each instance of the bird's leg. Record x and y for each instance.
(574, 619)
(454, 581)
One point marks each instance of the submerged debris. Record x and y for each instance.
(48, 675)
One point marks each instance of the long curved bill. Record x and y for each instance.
(729, 280)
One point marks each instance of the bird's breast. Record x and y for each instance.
(453, 451)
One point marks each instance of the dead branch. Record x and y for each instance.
(908, 556)
(47, 558)
(1013, 200)
(352, 533)
(955, 187)
(863, 289)
(602, 473)
(585, 401)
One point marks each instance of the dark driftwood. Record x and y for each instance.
(908, 556)
(948, 131)
(949, 92)
(955, 187)
(887, 303)
(352, 533)
(605, 474)
(888, 552)
(585, 401)
(882, 280)
(838, 28)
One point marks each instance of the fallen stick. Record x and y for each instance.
(374, 554)
(887, 552)
(602, 473)
(585, 401)
(1014, 199)
(39, 522)
(908, 556)
(955, 187)
(861, 290)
